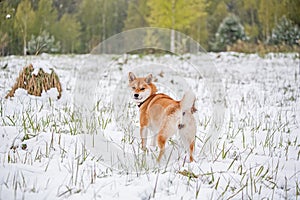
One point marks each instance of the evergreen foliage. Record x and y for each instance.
(43, 43)
(285, 32)
(80, 25)
(229, 31)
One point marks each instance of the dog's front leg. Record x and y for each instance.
(143, 133)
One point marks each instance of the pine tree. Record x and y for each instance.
(229, 31)
(285, 32)
(43, 43)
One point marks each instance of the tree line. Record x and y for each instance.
(76, 26)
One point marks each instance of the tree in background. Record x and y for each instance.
(291, 10)
(89, 13)
(250, 19)
(4, 40)
(43, 43)
(198, 29)
(100, 19)
(137, 14)
(269, 12)
(285, 32)
(44, 38)
(66, 7)
(217, 11)
(24, 19)
(68, 33)
(115, 15)
(229, 31)
(45, 17)
(175, 14)
(6, 27)
(80, 25)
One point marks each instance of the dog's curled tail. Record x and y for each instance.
(188, 102)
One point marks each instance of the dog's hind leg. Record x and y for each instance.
(166, 131)
(143, 133)
(187, 134)
(192, 147)
(161, 144)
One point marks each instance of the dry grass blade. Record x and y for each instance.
(36, 84)
(188, 174)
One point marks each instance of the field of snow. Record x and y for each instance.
(255, 152)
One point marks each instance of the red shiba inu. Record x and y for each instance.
(163, 115)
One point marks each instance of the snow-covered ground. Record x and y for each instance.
(257, 150)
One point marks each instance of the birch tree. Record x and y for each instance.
(175, 14)
(24, 19)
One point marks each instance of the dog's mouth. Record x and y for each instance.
(138, 99)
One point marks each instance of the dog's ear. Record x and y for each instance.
(148, 79)
(131, 77)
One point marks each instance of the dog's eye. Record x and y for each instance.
(183, 113)
(133, 88)
(142, 88)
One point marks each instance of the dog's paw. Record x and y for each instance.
(144, 149)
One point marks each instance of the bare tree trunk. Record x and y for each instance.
(24, 42)
(172, 38)
(172, 45)
(103, 26)
(24, 38)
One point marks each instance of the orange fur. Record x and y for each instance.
(163, 115)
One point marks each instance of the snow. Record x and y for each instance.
(44, 65)
(257, 148)
(9, 137)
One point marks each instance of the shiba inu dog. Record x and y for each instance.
(163, 115)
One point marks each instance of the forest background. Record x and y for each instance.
(77, 26)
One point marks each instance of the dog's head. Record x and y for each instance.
(142, 88)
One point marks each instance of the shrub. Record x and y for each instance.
(43, 43)
(229, 32)
(285, 32)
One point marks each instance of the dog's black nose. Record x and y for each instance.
(136, 95)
